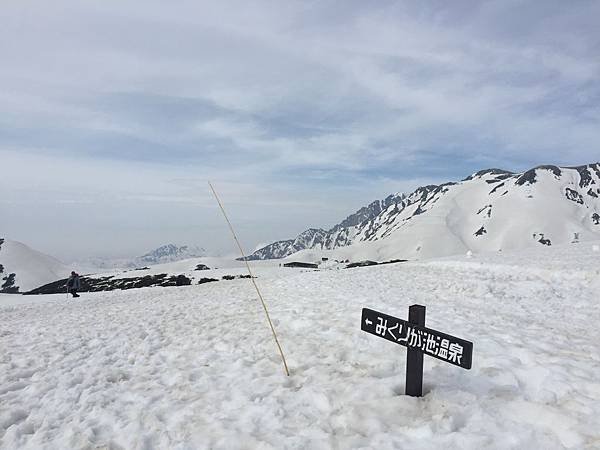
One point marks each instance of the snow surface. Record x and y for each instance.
(196, 367)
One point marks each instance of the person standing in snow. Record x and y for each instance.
(73, 284)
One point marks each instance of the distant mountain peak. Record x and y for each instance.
(485, 172)
(170, 253)
(319, 238)
(490, 209)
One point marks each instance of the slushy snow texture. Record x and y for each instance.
(195, 367)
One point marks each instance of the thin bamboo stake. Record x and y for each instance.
(262, 301)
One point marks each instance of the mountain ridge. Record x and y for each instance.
(577, 184)
(163, 254)
(315, 236)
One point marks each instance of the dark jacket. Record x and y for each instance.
(73, 282)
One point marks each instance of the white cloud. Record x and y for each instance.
(289, 106)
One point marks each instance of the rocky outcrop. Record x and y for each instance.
(110, 283)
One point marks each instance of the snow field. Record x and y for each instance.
(196, 367)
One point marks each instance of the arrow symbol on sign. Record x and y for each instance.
(368, 322)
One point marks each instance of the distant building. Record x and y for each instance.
(303, 265)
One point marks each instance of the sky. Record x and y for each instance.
(115, 115)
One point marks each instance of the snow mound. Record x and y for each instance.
(30, 267)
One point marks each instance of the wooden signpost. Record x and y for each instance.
(418, 340)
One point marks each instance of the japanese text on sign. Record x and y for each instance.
(431, 342)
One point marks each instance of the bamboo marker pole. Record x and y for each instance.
(262, 301)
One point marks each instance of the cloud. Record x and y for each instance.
(290, 106)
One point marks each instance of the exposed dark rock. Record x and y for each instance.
(202, 267)
(554, 169)
(591, 193)
(529, 177)
(585, 176)
(488, 207)
(393, 261)
(544, 241)
(574, 196)
(142, 268)
(496, 188)
(433, 195)
(110, 283)
(236, 277)
(596, 219)
(60, 286)
(500, 172)
(8, 287)
(362, 264)
(1, 269)
(481, 231)
(419, 210)
(304, 265)
(178, 280)
(206, 280)
(365, 213)
(1, 242)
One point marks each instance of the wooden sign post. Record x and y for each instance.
(418, 340)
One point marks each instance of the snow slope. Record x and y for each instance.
(195, 367)
(31, 268)
(490, 210)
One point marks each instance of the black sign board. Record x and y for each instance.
(419, 340)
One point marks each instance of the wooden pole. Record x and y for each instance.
(414, 357)
(262, 301)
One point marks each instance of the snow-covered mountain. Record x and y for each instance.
(491, 210)
(164, 254)
(337, 236)
(170, 253)
(22, 268)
